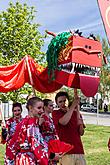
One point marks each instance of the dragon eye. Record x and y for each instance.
(86, 46)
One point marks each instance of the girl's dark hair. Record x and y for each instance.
(61, 93)
(32, 101)
(17, 105)
(46, 102)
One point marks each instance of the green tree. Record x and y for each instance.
(105, 71)
(19, 36)
(104, 86)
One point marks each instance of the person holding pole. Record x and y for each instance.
(70, 127)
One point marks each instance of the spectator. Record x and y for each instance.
(70, 128)
(9, 129)
(46, 123)
(105, 108)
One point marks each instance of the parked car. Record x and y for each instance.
(88, 108)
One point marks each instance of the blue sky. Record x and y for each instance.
(65, 15)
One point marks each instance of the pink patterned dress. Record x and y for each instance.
(10, 128)
(27, 147)
(48, 131)
(11, 125)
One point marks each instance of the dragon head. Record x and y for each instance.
(75, 61)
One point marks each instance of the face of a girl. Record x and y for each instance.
(17, 112)
(49, 108)
(37, 109)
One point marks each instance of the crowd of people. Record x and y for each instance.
(27, 139)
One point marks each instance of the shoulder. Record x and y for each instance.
(55, 112)
(58, 112)
(44, 116)
(33, 121)
(23, 122)
(10, 120)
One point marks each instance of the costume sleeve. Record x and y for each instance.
(45, 126)
(13, 145)
(4, 135)
(5, 131)
(56, 116)
(38, 146)
(8, 124)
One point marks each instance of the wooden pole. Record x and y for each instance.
(2, 114)
(78, 107)
(75, 93)
(30, 75)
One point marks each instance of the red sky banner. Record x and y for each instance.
(104, 6)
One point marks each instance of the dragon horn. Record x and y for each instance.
(50, 33)
(71, 32)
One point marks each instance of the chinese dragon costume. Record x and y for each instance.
(73, 61)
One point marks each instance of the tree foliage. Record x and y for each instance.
(105, 71)
(19, 36)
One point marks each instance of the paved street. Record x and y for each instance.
(97, 119)
(89, 118)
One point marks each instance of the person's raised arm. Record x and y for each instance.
(66, 118)
(80, 121)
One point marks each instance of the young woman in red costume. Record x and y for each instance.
(47, 127)
(46, 122)
(9, 129)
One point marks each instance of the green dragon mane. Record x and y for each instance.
(56, 45)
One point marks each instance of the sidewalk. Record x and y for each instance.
(101, 114)
(97, 119)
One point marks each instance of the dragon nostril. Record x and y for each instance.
(86, 46)
(89, 47)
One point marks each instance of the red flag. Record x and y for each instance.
(104, 6)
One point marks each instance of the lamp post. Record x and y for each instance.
(98, 97)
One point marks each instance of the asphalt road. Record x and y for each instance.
(89, 118)
(97, 119)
